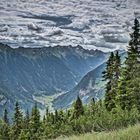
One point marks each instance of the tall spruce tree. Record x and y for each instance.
(108, 76)
(35, 120)
(91, 106)
(56, 116)
(17, 122)
(78, 108)
(117, 68)
(26, 121)
(111, 75)
(134, 84)
(5, 117)
(128, 88)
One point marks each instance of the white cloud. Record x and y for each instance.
(94, 24)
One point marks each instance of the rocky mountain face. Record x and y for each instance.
(29, 72)
(90, 86)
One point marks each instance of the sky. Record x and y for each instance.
(94, 24)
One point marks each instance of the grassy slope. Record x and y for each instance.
(130, 133)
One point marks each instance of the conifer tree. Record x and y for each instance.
(68, 115)
(5, 117)
(108, 76)
(35, 119)
(135, 35)
(61, 116)
(4, 132)
(17, 122)
(111, 75)
(5, 129)
(56, 116)
(135, 46)
(78, 108)
(128, 88)
(26, 121)
(117, 68)
(50, 118)
(91, 106)
(23, 136)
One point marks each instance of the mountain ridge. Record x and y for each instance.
(25, 72)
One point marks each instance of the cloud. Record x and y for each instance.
(93, 24)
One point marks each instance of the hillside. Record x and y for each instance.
(130, 133)
(90, 86)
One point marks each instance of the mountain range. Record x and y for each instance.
(28, 75)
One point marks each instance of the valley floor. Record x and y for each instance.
(130, 133)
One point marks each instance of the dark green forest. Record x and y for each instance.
(120, 107)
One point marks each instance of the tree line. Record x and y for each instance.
(120, 107)
(123, 82)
